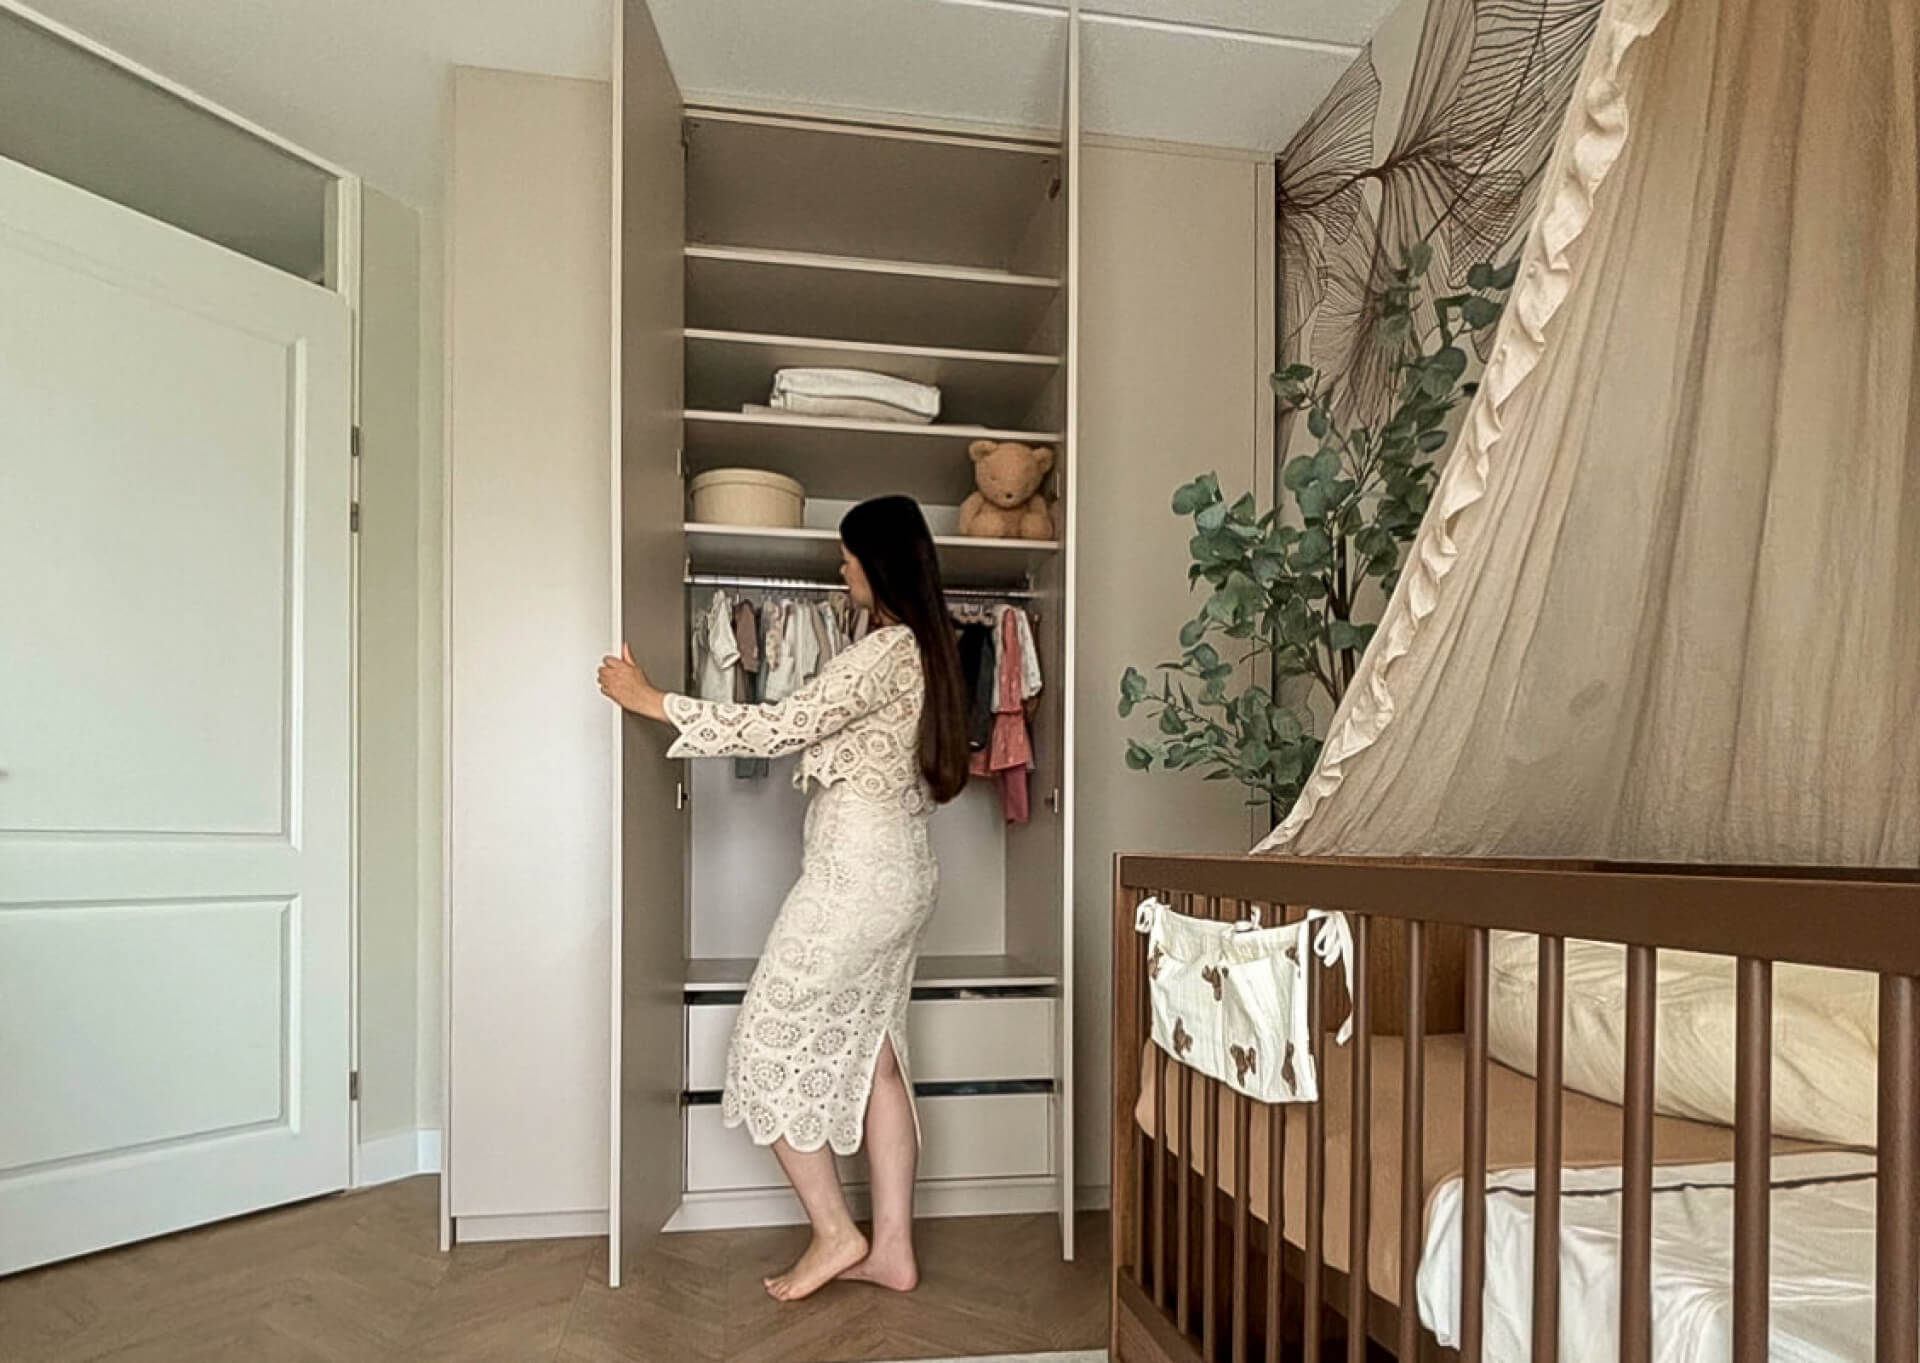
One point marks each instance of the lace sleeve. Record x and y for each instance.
(854, 685)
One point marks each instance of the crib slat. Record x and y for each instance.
(1143, 1174)
(1413, 1174)
(1276, 1215)
(1209, 1220)
(1896, 1313)
(1473, 1171)
(1316, 1209)
(1636, 1206)
(1210, 1202)
(1188, 1162)
(1550, 1041)
(1161, 1172)
(1360, 1147)
(1752, 1156)
(1242, 1201)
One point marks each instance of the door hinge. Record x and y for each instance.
(1053, 800)
(680, 462)
(679, 794)
(353, 443)
(353, 518)
(353, 1086)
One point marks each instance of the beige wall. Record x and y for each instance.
(528, 398)
(389, 756)
(1175, 326)
(430, 590)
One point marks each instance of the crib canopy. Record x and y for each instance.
(1666, 604)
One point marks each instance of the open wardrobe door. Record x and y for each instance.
(649, 920)
(1065, 1098)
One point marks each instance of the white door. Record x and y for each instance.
(174, 485)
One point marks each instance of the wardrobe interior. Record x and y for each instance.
(932, 257)
(1107, 300)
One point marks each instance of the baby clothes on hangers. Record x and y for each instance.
(746, 637)
(827, 630)
(782, 661)
(1009, 754)
(714, 652)
(802, 644)
(1029, 654)
(977, 669)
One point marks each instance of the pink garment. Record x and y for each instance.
(1009, 755)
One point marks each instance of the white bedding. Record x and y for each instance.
(1825, 1030)
(1822, 1263)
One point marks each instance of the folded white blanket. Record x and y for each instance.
(920, 399)
(853, 409)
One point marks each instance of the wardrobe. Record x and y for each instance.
(747, 242)
(605, 904)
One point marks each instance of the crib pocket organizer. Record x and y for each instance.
(1230, 999)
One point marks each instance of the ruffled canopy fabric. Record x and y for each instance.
(1666, 603)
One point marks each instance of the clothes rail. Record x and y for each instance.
(802, 584)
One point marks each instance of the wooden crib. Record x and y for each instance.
(1242, 1231)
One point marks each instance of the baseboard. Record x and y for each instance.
(470, 1230)
(401, 1155)
(1093, 1198)
(779, 1207)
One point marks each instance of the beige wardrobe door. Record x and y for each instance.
(649, 921)
(1064, 1098)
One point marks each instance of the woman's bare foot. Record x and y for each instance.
(889, 1265)
(827, 1258)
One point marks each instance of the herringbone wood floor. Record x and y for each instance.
(359, 1279)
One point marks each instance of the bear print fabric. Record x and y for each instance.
(1230, 999)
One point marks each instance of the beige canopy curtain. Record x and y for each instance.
(1666, 605)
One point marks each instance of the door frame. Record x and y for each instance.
(343, 237)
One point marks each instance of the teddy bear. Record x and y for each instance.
(1008, 503)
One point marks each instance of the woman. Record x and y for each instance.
(819, 1054)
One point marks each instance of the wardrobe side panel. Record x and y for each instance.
(388, 740)
(652, 954)
(530, 600)
(1172, 384)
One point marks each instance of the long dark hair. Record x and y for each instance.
(890, 538)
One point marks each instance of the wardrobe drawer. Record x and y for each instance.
(974, 1135)
(948, 1040)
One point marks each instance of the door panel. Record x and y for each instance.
(1065, 1099)
(173, 728)
(649, 971)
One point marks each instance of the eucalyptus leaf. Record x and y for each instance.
(1283, 583)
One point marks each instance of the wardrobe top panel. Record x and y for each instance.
(851, 190)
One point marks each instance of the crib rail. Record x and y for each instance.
(1243, 1292)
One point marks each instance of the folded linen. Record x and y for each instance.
(852, 409)
(919, 398)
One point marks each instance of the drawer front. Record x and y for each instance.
(949, 1040)
(976, 1135)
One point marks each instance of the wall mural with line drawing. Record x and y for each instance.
(1439, 132)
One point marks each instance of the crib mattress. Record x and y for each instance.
(1820, 1287)
(1591, 1138)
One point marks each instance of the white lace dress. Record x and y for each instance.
(835, 975)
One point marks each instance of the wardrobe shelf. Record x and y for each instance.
(847, 460)
(847, 189)
(726, 369)
(748, 289)
(964, 561)
(723, 975)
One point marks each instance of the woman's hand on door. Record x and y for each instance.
(623, 683)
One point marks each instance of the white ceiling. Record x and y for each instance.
(360, 82)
